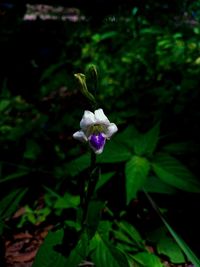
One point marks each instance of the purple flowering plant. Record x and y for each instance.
(96, 237)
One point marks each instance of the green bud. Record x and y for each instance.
(93, 74)
(83, 87)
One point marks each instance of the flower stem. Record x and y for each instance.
(90, 187)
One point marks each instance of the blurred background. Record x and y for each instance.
(147, 54)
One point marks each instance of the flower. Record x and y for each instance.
(95, 129)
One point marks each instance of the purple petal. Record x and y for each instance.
(97, 141)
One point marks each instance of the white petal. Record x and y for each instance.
(80, 136)
(111, 129)
(87, 120)
(97, 151)
(101, 117)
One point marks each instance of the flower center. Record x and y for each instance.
(96, 129)
(97, 140)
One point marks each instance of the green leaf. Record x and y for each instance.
(128, 238)
(77, 165)
(105, 254)
(103, 179)
(188, 252)
(147, 259)
(4, 104)
(146, 143)
(52, 251)
(167, 246)
(47, 255)
(136, 171)
(114, 152)
(67, 201)
(9, 204)
(174, 173)
(93, 217)
(100, 37)
(155, 185)
(128, 137)
(177, 148)
(14, 176)
(32, 149)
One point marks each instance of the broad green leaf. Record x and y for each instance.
(136, 171)
(100, 37)
(93, 216)
(4, 104)
(51, 70)
(174, 173)
(146, 143)
(54, 253)
(48, 255)
(77, 165)
(147, 259)
(10, 202)
(167, 246)
(155, 185)
(177, 148)
(128, 238)
(67, 201)
(32, 150)
(188, 252)
(128, 137)
(129, 230)
(114, 152)
(13, 176)
(103, 179)
(105, 254)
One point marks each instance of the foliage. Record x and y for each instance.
(148, 78)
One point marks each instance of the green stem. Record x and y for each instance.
(90, 187)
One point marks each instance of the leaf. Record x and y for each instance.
(93, 216)
(147, 259)
(177, 148)
(13, 176)
(100, 37)
(155, 185)
(77, 165)
(10, 202)
(105, 254)
(188, 252)
(103, 179)
(4, 104)
(67, 201)
(130, 231)
(47, 255)
(32, 149)
(146, 143)
(167, 246)
(114, 152)
(51, 70)
(51, 252)
(136, 171)
(128, 238)
(174, 173)
(128, 137)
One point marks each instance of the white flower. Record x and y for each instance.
(95, 129)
